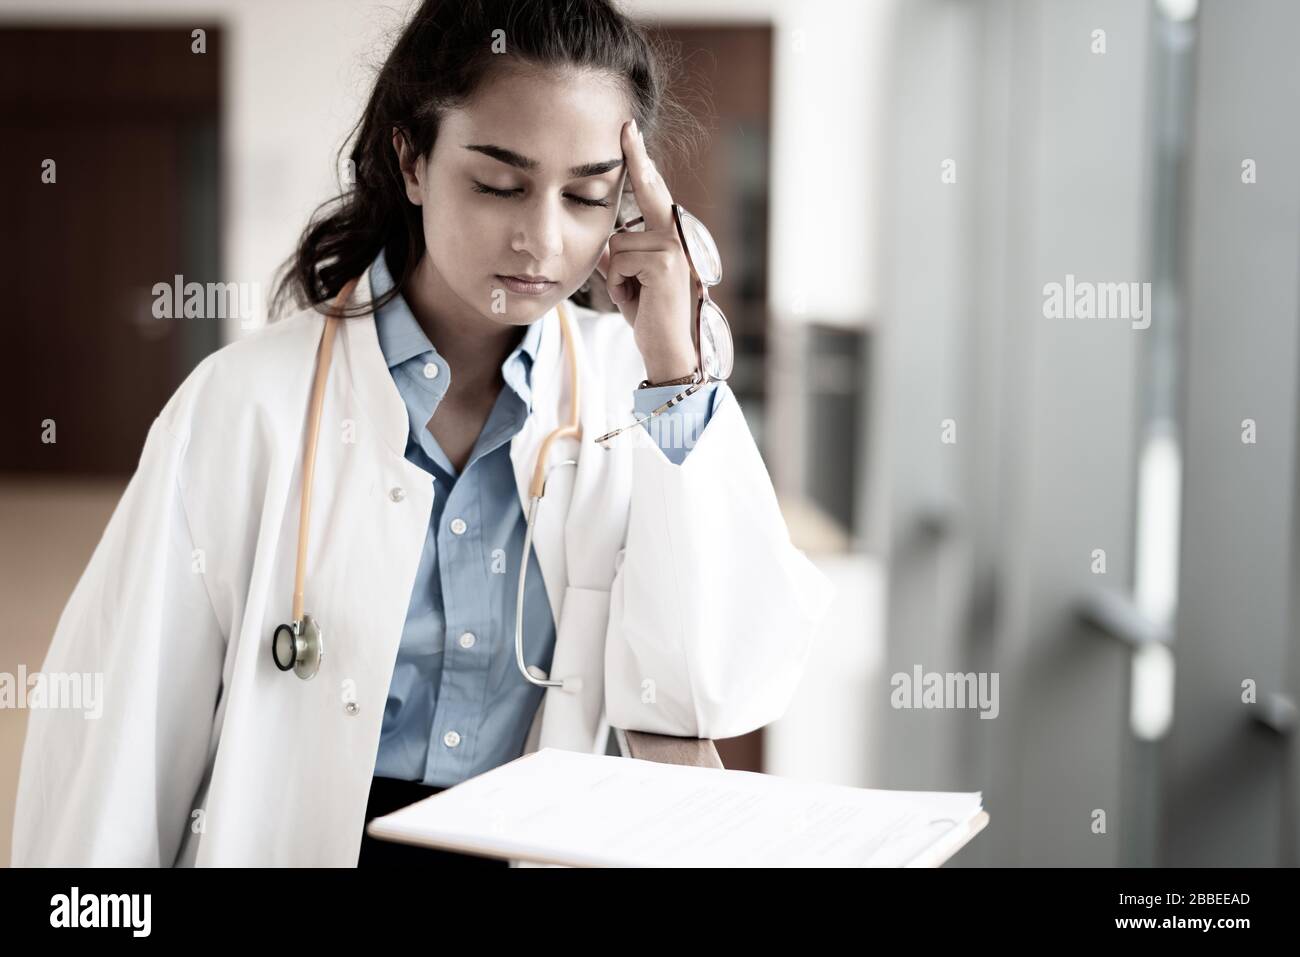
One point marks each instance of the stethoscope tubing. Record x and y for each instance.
(303, 644)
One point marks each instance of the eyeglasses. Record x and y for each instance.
(714, 352)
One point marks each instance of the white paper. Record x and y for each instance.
(565, 807)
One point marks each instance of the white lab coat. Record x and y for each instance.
(678, 597)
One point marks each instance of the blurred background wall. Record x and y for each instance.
(1096, 513)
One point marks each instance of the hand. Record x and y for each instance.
(647, 275)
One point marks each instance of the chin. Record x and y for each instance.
(516, 310)
(521, 304)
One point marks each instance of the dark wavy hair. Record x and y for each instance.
(438, 62)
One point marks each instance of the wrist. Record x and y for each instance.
(660, 367)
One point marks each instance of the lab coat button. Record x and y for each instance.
(451, 739)
(431, 370)
(352, 708)
(467, 640)
(397, 493)
(458, 526)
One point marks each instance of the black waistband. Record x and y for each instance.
(389, 794)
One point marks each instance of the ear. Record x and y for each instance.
(412, 169)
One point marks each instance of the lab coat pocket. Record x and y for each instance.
(579, 653)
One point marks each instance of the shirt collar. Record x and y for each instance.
(401, 338)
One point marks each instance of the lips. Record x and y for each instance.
(527, 285)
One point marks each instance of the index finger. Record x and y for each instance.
(652, 196)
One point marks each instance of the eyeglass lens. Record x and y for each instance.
(717, 353)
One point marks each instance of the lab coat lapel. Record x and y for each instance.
(372, 380)
(562, 539)
(594, 527)
(550, 392)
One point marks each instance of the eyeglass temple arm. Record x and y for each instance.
(679, 397)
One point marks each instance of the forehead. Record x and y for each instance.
(560, 119)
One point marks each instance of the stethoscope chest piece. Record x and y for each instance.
(300, 649)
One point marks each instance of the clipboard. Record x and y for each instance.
(570, 809)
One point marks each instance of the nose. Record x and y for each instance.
(540, 232)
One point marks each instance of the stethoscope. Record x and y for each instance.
(299, 645)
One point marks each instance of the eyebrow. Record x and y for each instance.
(511, 158)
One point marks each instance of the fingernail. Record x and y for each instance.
(634, 129)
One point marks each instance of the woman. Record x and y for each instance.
(661, 590)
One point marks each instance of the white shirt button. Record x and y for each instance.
(397, 493)
(431, 370)
(451, 739)
(467, 640)
(458, 526)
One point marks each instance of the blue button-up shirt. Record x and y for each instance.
(457, 704)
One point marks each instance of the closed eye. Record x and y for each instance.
(508, 193)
